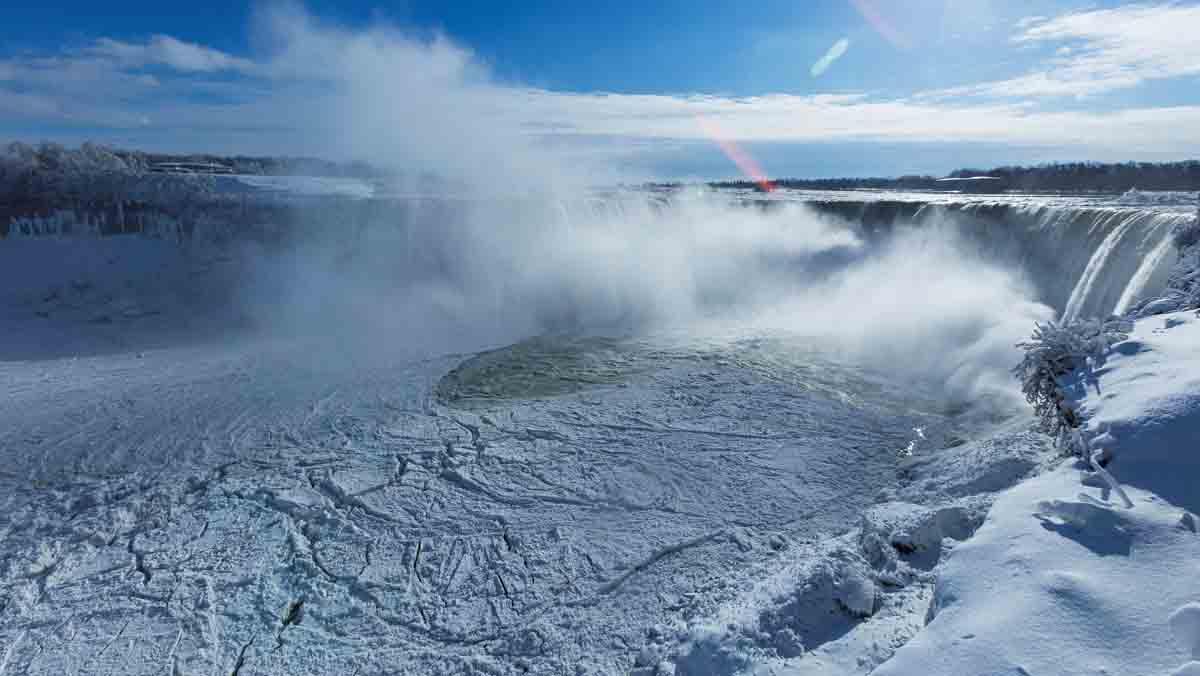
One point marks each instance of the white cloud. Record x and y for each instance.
(383, 95)
(819, 118)
(106, 82)
(170, 52)
(1103, 50)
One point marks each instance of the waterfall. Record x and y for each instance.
(1081, 257)
(1082, 260)
(1151, 274)
(1083, 290)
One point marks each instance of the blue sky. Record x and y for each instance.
(827, 87)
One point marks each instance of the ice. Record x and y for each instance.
(379, 488)
(306, 186)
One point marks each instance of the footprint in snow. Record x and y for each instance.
(1185, 625)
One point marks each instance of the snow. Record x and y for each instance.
(1139, 197)
(658, 504)
(309, 186)
(1185, 624)
(194, 495)
(1145, 400)
(843, 605)
(1060, 579)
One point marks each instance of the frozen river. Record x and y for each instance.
(305, 502)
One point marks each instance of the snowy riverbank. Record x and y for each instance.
(970, 568)
(1061, 578)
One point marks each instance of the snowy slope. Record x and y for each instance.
(1060, 579)
(844, 605)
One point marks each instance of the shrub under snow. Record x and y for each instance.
(1054, 350)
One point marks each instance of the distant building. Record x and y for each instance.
(979, 184)
(190, 168)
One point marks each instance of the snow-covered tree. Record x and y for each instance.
(1055, 350)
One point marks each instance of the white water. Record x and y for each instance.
(1084, 287)
(1149, 277)
(938, 288)
(1083, 256)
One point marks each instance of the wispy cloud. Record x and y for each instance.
(1102, 50)
(818, 118)
(111, 83)
(166, 51)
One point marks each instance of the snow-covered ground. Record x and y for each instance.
(184, 493)
(165, 509)
(310, 186)
(1061, 578)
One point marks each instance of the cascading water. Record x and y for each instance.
(1082, 260)
(1130, 263)
(1150, 276)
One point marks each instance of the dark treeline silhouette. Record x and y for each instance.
(874, 183)
(1094, 176)
(1055, 177)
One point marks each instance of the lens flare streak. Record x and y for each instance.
(738, 155)
(879, 22)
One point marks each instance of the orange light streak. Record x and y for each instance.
(736, 154)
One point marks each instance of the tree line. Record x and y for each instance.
(1051, 177)
(54, 157)
(26, 169)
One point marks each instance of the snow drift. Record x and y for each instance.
(1061, 578)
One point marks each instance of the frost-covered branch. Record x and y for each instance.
(1055, 350)
(1081, 447)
